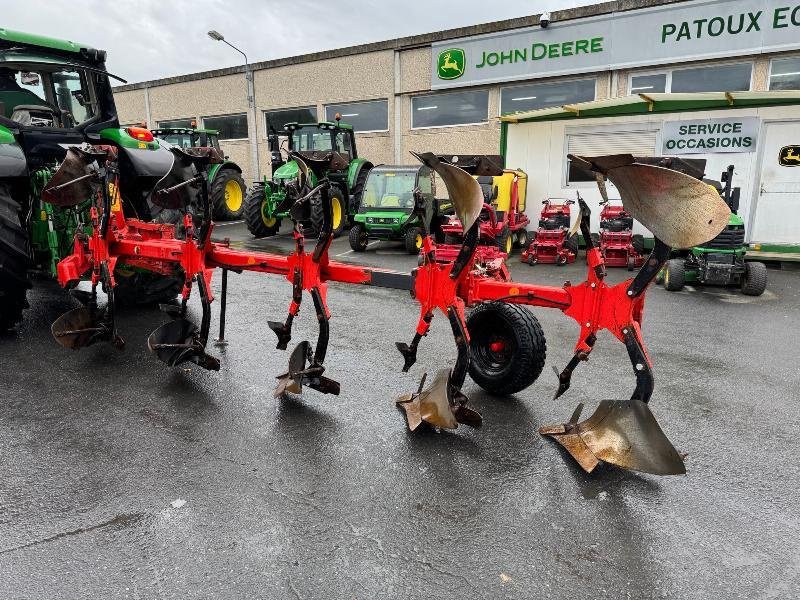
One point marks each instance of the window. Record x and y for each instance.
(363, 116)
(543, 95)
(653, 84)
(711, 78)
(177, 123)
(596, 142)
(276, 120)
(785, 74)
(230, 127)
(453, 108)
(714, 78)
(51, 96)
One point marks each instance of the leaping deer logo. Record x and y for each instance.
(451, 63)
(789, 156)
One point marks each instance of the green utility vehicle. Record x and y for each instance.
(387, 207)
(55, 94)
(262, 211)
(720, 261)
(226, 188)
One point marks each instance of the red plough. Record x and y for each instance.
(624, 433)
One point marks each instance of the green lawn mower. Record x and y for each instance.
(55, 94)
(226, 188)
(264, 208)
(720, 261)
(387, 210)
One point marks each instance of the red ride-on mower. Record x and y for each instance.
(553, 242)
(503, 222)
(618, 244)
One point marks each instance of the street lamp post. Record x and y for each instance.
(251, 101)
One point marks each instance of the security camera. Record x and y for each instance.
(544, 20)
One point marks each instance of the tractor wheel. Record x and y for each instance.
(522, 238)
(413, 240)
(754, 281)
(505, 241)
(259, 224)
(358, 238)
(144, 288)
(338, 214)
(358, 191)
(637, 241)
(14, 261)
(674, 275)
(508, 347)
(227, 195)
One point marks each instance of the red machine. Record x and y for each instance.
(618, 244)
(622, 432)
(553, 242)
(502, 217)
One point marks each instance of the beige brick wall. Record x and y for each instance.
(131, 106)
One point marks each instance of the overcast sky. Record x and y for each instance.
(148, 39)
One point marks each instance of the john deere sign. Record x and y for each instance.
(687, 31)
(710, 136)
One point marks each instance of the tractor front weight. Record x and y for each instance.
(621, 432)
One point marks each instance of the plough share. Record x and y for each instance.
(679, 209)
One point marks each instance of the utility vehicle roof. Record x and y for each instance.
(320, 125)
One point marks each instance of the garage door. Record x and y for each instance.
(777, 213)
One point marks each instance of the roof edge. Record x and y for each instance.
(410, 42)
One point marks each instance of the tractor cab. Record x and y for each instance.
(52, 92)
(323, 136)
(188, 137)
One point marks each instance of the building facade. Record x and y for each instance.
(446, 91)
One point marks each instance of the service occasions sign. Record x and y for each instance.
(709, 136)
(662, 35)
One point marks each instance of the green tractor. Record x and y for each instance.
(720, 261)
(226, 188)
(387, 211)
(55, 94)
(263, 206)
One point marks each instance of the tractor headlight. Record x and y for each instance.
(370, 219)
(395, 220)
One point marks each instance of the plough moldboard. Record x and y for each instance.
(621, 432)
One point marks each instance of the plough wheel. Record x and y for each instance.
(508, 347)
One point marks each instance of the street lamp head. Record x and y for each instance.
(216, 35)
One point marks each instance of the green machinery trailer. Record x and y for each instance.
(720, 261)
(55, 94)
(386, 211)
(226, 187)
(264, 198)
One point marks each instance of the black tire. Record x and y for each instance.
(335, 195)
(14, 261)
(519, 362)
(358, 191)
(219, 197)
(504, 241)
(754, 280)
(253, 216)
(637, 241)
(412, 240)
(358, 238)
(674, 275)
(522, 238)
(145, 288)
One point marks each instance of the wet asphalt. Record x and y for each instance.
(124, 478)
